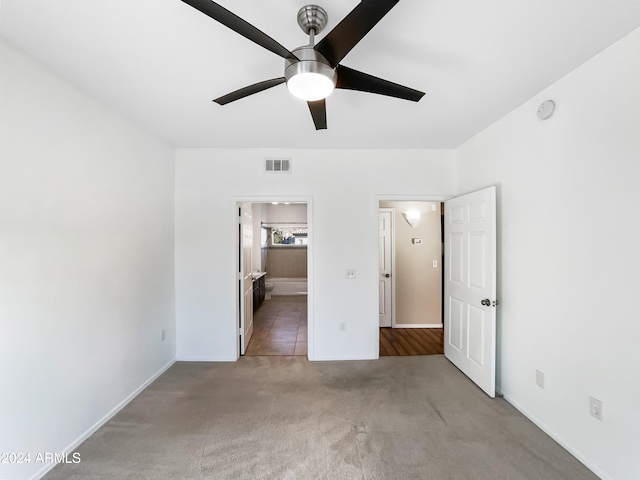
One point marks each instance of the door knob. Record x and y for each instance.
(387, 275)
(486, 302)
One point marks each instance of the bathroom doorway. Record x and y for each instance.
(279, 265)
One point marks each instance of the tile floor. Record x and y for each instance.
(280, 327)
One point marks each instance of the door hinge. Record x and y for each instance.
(239, 275)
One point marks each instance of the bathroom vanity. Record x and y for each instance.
(258, 289)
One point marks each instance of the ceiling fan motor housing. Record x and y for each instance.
(309, 64)
(312, 17)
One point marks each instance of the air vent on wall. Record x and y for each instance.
(277, 165)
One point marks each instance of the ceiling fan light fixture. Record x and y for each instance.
(310, 78)
(310, 86)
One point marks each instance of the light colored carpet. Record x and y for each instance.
(285, 417)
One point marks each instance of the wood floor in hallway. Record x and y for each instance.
(411, 341)
(280, 328)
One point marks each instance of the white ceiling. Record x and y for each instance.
(161, 62)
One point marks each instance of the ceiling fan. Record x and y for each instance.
(312, 71)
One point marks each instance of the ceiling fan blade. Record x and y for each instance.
(339, 41)
(250, 90)
(318, 111)
(239, 25)
(351, 79)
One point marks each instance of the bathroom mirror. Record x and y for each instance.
(289, 235)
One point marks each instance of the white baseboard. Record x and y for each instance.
(112, 413)
(343, 358)
(206, 359)
(560, 440)
(417, 325)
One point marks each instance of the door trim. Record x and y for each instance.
(310, 249)
(418, 325)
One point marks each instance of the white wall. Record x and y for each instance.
(86, 261)
(569, 255)
(341, 186)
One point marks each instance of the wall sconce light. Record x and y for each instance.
(412, 216)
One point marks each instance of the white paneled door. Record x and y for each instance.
(470, 286)
(384, 280)
(246, 276)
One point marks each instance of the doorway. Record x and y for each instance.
(411, 279)
(469, 282)
(279, 267)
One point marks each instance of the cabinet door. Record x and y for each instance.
(256, 295)
(263, 289)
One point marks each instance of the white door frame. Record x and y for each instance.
(310, 247)
(399, 198)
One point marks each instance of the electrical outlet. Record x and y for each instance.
(540, 378)
(595, 408)
(343, 326)
(435, 264)
(163, 335)
(351, 273)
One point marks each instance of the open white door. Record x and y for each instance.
(246, 276)
(470, 286)
(385, 252)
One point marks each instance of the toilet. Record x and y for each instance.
(268, 288)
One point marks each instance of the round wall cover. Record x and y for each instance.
(545, 110)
